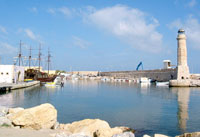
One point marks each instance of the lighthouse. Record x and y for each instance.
(182, 66)
(183, 74)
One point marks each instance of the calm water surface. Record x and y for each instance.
(148, 109)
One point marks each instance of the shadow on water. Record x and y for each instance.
(4, 91)
(146, 108)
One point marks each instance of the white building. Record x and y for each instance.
(167, 64)
(11, 74)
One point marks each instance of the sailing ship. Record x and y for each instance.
(34, 72)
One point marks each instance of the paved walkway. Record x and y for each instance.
(11, 132)
(19, 85)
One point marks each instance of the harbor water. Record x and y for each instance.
(146, 108)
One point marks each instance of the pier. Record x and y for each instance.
(10, 86)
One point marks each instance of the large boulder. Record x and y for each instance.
(125, 134)
(14, 110)
(3, 111)
(93, 128)
(39, 117)
(160, 135)
(193, 134)
(109, 132)
(146, 135)
(86, 127)
(103, 132)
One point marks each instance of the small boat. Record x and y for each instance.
(28, 80)
(145, 80)
(51, 84)
(105, 79)
(162, 83)
(56, 82)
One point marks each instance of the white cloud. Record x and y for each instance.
(51, 11)
(175, 24)
(187, 3)
(3, 29)
(34, 9)
(80, 42)
(192, 28)
(66, 11)
(192, 3)
(7, 48)
(129, 25)
(30, 34)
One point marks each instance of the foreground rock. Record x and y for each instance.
(86, 127)
(14, 110)
(194, 134)
(125, 134)
(39, 117)
(109, 132)
(3, 111)
(160, 135)
(92, 128)
(156, 135)
(45, 117)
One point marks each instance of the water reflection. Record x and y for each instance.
(6, 99)
(183, 98)
(15, 97)
(144, 107)
(82, 84)
(144, 87)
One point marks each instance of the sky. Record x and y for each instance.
(102, 35)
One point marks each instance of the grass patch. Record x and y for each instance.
(5, 125)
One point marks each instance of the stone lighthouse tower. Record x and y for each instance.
(182, 67)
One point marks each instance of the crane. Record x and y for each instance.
(138, 66)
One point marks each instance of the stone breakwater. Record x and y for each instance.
(45, 117)
(157, 74)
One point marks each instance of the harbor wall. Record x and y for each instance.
(157, 74)
(92, 73)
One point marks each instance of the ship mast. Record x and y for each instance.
(19, 56)
(29, 59)
(20, 52)
(49, 59)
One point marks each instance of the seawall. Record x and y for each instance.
(157, 74)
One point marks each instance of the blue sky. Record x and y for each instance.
(100, 35)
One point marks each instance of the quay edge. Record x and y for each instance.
(11, 86)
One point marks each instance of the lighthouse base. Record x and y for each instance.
(184, 83)
(179, 83)
(183, 73)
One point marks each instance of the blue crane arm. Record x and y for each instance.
(138, 66)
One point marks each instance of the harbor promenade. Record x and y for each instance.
(13, 86)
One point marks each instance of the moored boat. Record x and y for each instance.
(162, 83)
(56, 82)
(145, 80)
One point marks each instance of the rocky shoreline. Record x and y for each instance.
(42, 121)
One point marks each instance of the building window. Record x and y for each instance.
(7, 73)
(182, 77)
(1, 73)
